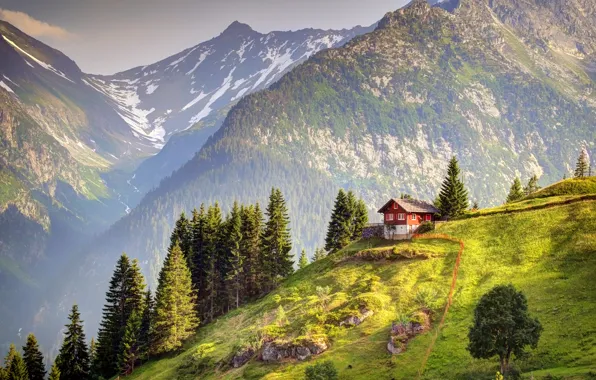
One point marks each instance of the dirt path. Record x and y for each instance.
(449, 298)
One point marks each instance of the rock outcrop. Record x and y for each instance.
(278, 351)
(402, 332)
(242, 357)
(355, 320)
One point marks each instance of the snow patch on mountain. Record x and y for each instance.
(6, 87)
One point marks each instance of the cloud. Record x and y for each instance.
(32, 26)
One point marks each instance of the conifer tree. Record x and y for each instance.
(453, 198)
(146, 326)
(360, 219)
(54, 373)
(319, 254)
(515, 193)
(532, 185)
(303, 262)
(12, 352)
(182, 234)
(3, 373)
(73, 358)
(582, 165)
(340, 231)
(175, 316)
(129, 346)
(18, 368)
(234, 257)
(277, 242)
(252, 222)
(197, 267)
(211, 255)
(33, 359)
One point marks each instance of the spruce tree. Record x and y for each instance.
(182, 234)
(18, 368)
(129, 346)
(532, 185)
(303, 261)
(12, 352)
(234, 256)
(34, 359)
(360, 219)
(340, 230)
(73, 358)
(515, 193)
(453, 198)
(175, 316)
(146, 326)
(54, 373)
(277, 242)
(197, 267)
(213, 227)
(582, 165)
(252, 224)
(319, 254)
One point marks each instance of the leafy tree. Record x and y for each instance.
(321, 371)
(340, 231)
(252, 225)
(453, 198)
(582, 165)
(532, 185)
(54, 373)
(276, 241)
(129, 346)
(303, 261)
(18, 368)
(515, 193)
(234, 257)
(144, 340)
(360, 219)
(502, 326)
(175, 309)
(34, 359)
(73, 358)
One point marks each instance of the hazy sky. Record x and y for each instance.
(107, 36)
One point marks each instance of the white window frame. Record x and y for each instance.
(428, 218)
(395, 206)
(413, 217)
(401, 216)
(389, 217)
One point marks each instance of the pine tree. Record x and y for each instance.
(453, 198)
(303, 262)
(73, 358)
(33, 359)
(532, 185)
(582, 165)
(18, 368)
(54, 373)
(175, 316)
(146, 326)
(129, 346)
(182, 234)
(252, 222)
(515, 193)
(197, 267)
(12, 352)
(277, 242)
(319, 254)
(360, 219)
(234, 257)
(210, 259)
(340, 231)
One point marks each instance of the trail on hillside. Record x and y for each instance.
(449, 298)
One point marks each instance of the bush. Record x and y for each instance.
(200, 361)
(321, 371)
(425, 227)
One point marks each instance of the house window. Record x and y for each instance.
(389, 216)
(428, 217)
(413, 216)
(395, 206)
(401, 216)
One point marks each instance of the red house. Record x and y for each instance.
(402, 217)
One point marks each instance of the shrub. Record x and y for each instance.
(321, 371)
(200, 360)
(425, 227)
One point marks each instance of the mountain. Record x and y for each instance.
(546, 252)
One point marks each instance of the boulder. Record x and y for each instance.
(401, 333)
(355, 320)
(277, 351)
(242, 357)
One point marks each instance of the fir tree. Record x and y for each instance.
(18, 368)
(34, 359)
(303, 262)
(234, 257)
(211, 255)
(515, 193)
(12, 352)
(319, 254)
(182, 234)
(129, 346)
(360, 219)
(277, 242)
(252, 224)
(175, 316)
(453, 198)
(197, 267)
(340, 231)
(146, 326)
(582, 165)
(54, 373)
(73, 358)
(532, 185)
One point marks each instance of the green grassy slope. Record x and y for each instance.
(550, 254)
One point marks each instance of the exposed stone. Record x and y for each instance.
(355, 320)
(242, 357)
(401, 333)
(278, 351)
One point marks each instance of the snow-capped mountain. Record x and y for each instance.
(174, 94)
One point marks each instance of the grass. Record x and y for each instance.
(550, 254)
(10, 188)
(573, 186)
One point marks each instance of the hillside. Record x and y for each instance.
(549, 254)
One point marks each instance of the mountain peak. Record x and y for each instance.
(237, 28)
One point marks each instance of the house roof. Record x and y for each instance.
(411, 205)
